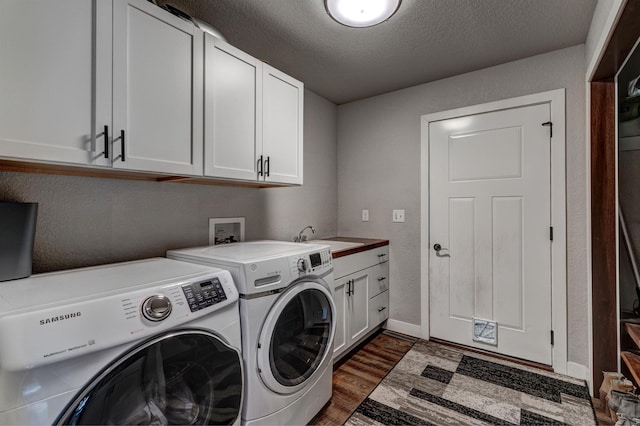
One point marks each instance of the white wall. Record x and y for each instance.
(379, 169)
(88, 221)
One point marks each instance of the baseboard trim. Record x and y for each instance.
(577, 371)
(403, 327)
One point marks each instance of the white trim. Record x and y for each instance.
(578, 371)
(403, 327)
(588, 234)
(556, 100)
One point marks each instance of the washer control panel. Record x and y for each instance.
(203, 294)
(311, 262)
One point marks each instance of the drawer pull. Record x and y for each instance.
(382, 278)
(382, 308)
(382, 254)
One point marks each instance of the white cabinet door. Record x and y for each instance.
(282, 141)
(359, 305)
(351, 297)
(232, 111)
(157, 90)
(50, 78)
(340, 300)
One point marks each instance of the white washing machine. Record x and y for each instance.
(146, 342)
(287, 316)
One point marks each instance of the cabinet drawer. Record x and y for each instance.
(378, 279)
(378, 309)
(356, 262)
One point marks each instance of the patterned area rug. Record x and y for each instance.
(440, 385)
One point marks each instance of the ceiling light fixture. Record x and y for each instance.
(361, 13)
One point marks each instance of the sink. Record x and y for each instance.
(337, 245)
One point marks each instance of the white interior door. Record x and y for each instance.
(490, 199)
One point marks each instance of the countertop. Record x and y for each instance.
(367, 244)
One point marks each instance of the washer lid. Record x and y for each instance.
(99, 281)
(247, 251)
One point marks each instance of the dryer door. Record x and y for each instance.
(181, 377)
(296, 340)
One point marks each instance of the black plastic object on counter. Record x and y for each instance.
(17, 235)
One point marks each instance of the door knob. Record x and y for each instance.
(438, 248)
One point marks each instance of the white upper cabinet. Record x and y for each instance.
(232, 135)
(50, 80)
(253, 118)
(282, 135)
(125, 84)
(157, 90)
(89, 78)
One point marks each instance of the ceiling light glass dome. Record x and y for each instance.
(361, 13)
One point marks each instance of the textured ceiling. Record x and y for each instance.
(425, 40)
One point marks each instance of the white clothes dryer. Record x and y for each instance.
(287, 315)
(146, 342)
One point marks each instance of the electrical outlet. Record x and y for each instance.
(365, 215)
(398, 215)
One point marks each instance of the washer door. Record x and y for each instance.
(186, 377)
(297, 336)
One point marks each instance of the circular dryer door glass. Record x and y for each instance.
(301, 337)
(185, 377)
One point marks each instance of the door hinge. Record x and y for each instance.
(551, 337)
(550, 124)
(551, 233)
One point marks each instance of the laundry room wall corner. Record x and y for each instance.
(383, 133)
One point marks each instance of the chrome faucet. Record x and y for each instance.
(301, 238)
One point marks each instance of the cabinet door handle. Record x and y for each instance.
(267, 166)
(382, 278)
(122, 144)
(382, 308)
(260, 166)
(105, 133)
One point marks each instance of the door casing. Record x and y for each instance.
(556, 100)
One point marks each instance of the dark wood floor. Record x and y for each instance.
(362, 370)
(360, 373)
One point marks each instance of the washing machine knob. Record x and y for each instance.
(302, 265)
(156, 307)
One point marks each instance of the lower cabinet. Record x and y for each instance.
(351, 296)
(361, 297)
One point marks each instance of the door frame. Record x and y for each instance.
(556, 100)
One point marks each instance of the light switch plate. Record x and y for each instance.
(365, 215)
(398, 215)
